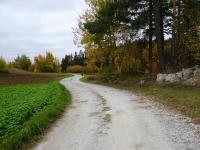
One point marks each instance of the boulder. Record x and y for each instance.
(196, 67)
(179, 75)
(194, 81)
(161, 77)
(197, 72)
(172, 78)
(142, 82)
(189, 76)
(187, 73)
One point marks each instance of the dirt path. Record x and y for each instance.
(104, 118)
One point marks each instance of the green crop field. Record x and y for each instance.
(27, 110)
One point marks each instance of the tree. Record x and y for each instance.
(174, 31)
(22, 62)
(150, 37)
(80, 58)
(185, 35)
(65, 63)
(47, 63)
(159, 17)
(112, 30)
(76, 59)
(2, 63)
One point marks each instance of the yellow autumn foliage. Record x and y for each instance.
(126, 62)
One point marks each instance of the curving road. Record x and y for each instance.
(104, 118)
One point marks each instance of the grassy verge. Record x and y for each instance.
(85, 79)
(27, 110)
(184, 99)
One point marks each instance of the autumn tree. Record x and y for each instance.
(47, 63)
(112, 30)
(22, 62)
(185, 35)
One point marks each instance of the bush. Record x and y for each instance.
(89, 70)
(108, 74)
(22, 62)
(2, 63)
(75, 69)
(91, 78)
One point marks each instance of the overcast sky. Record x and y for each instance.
(33, 27)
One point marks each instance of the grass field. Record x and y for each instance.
(27, 110)
(181, 98)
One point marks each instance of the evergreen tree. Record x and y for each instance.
(112, 29)
(65, 63)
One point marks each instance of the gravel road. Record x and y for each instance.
(105, 118)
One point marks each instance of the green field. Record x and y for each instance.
(27, 110)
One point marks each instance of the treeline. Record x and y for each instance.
(77, 61)
(132, 37)
(42, 63)
(47, 63)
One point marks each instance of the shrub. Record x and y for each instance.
(92, 78)
(2, 63)
(89, 70)
(75, 69)
(108, 74)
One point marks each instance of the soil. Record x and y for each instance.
(7, 78)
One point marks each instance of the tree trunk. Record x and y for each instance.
(178, 23)
(150, 38)
(174, 33)
(159, 33)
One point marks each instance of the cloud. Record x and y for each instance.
(33, 27)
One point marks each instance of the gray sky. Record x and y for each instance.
(33, 27)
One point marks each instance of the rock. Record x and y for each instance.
(194, 81)
(161, 77)
(171, 78)
(196, 67)
(179, 75)
(142, 82)
(187, 73)
(188, 77)
(197, 72)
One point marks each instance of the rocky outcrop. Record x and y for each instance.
(171, 78)
(189, 77)
(194, 81)
(161, 77)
